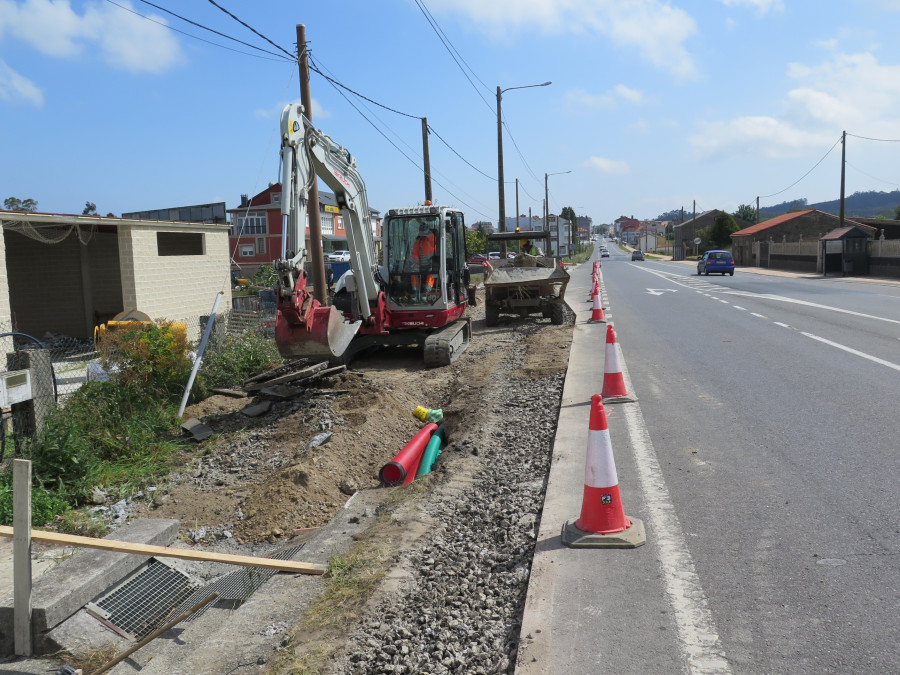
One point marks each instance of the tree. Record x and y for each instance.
(90, 209)
(745, 212)
(897, 213)
(16, 204)
(721, 230)
(476, 242)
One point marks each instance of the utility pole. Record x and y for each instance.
(427, 159)
(843, 168)
(320, 292)
(517, 204)
(757, 209)
(500, 175)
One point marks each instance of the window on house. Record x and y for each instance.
(248, 250)
(276, 197)
(340, 222)
(179, 243)
(251, 223)
(260, 245)
(327, 221)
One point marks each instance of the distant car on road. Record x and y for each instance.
(494, 255)
(637, 254)
(716, 261)
(339, 256)
(476, 259)
(604, 252)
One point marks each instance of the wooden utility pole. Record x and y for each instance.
(427, 157)
(757, 209)
(320, 292)
(502, 196)
(843, 168)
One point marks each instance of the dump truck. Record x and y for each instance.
(524, 284)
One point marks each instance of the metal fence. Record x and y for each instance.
(59, 365)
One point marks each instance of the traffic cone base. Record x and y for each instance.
(631, 537)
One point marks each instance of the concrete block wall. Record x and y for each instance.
(6, 344)
(174, 286)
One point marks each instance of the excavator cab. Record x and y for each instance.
(424, 258)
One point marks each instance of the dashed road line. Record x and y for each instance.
(855, 352)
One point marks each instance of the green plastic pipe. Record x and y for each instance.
(432, 451)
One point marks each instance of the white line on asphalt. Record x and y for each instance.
(699, 640)
(783, 325)
(761, 316)
(855, 352)
(739, 307)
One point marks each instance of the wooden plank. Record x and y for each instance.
(169, 552)
(22, 557)
(306, 372)
(293, 365)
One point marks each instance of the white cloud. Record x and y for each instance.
(124, 39)
(604, 165)
(850, 91)
(762, 6)
(14, 87)
(652, 29)
(608, 99)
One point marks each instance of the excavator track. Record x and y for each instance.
(445, 345)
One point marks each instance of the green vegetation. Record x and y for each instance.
(234, 358)
(125, 432)
(476, 242)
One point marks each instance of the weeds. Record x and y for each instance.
(236, 357)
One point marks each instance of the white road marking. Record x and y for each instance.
(783, 325)
(761, 316)
(739, 307)
(855, 352)
(699, 639)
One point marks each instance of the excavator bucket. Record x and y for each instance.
(326, 336)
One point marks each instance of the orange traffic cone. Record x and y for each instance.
(614, 390)
(597, 310)
(603, 523)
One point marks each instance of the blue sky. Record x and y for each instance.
(653, 104)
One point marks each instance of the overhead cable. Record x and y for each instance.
(806, 174)
(293, 57)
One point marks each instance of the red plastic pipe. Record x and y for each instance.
(406, 462)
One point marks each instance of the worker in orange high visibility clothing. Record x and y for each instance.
(422, 256)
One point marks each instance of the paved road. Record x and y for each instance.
(762, 455)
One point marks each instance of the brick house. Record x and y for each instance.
(255, 235)
(65, 273)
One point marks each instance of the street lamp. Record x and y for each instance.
(547, 203)
(500, 159)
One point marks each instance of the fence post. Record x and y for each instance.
(28, 416)
(22, 557)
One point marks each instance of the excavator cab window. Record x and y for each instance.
(413, 260)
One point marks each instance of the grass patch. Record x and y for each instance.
(231, 359)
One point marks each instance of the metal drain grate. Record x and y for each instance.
(140, 603)
(234, 587)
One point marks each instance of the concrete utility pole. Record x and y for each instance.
(315, 221)
(427, 157)
(502, 196)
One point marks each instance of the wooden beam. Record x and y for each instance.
(169, 552)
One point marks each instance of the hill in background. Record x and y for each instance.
(862, 204)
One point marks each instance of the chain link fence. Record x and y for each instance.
(58, 365)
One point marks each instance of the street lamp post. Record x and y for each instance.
(547, 203)
(500, 159)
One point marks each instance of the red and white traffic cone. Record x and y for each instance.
(603, 523)
(596, 266)
(614, 390)
(597, 309)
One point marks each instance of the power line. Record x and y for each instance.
(881, 140)
(806, 174)
(400, 150)
(366, 98)
(437, 32)
(293, 57)
(209, 42)
(880, 180)
(424, 7)
(431, 129)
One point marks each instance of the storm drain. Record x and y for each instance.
(137, 605)
(235, 587)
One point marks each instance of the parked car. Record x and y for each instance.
(339, 256)
(637, 254)
(476, 259)
(494, 255)
(716, 261)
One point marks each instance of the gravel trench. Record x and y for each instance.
(461, 610)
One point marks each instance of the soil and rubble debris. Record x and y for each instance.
(463, 567)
